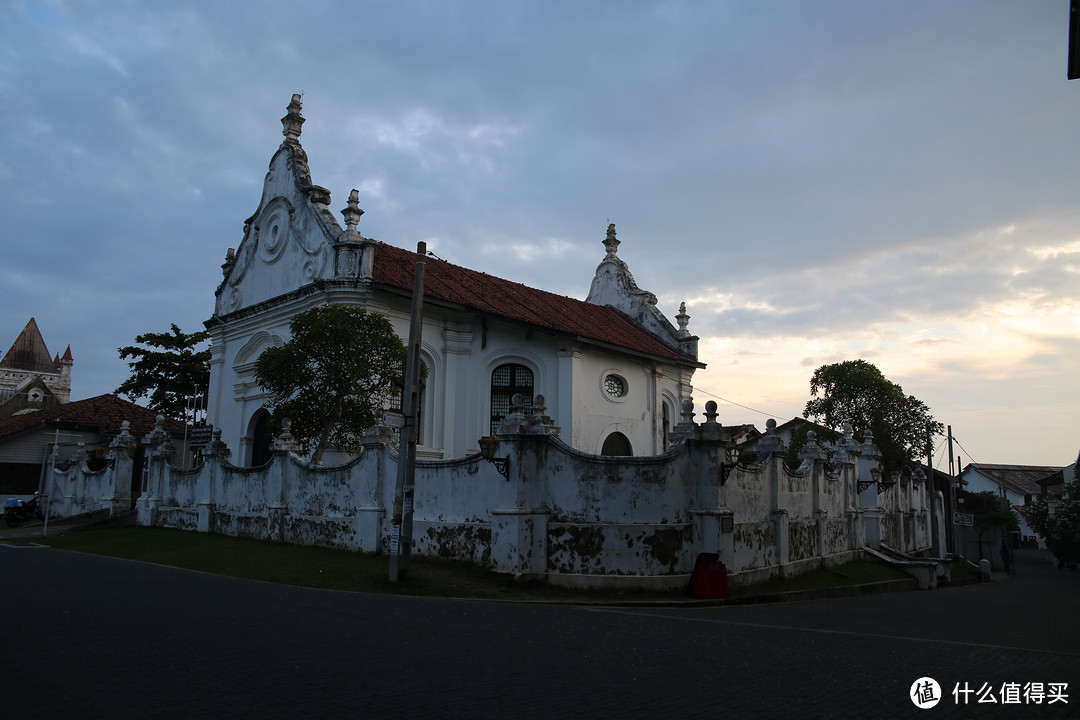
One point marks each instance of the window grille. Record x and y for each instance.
(506, 381)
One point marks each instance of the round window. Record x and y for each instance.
(615, 386)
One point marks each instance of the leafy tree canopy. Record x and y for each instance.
(168, 369)
(856, 391)
(341, 365)
(1057, 520)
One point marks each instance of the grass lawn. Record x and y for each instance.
(858, 572)
(331, 569)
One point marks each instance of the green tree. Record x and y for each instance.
(341, 365)
(1057, 521)
(168, 369)
(856, 391)
(799, 437)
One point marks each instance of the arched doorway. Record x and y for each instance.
(259, 438)
(616, 444)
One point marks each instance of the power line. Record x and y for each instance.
(732, 402)
(971, 458)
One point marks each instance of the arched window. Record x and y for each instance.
(259, 437)
(397, 402)
(616, 444)
(506, 381)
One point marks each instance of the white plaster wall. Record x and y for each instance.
(460, 357)
(978, 482)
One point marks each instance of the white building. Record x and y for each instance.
(612, 369)
(1016, 484)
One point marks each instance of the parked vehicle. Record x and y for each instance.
(16, 512)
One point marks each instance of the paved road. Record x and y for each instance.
(99, 637)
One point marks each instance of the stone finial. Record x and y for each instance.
(124, 440)
(353, 212)
(293, 120)
(918, 477)
(846, 448)
(79, 456)
(539, 409)
(125, 430)
(218, 448)
(811, 451)
(285, 442)
(526, 420)
(770, 442)
(688, 411)
(710, 412)
(611, 243)
(683, 320)
(230, 260)
(868, 448)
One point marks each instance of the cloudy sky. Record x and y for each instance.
(818, 181)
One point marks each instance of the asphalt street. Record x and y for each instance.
(94, 637)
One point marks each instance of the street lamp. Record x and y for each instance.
(875, 474)
(883, 486)
(489, 445)
(732, 461)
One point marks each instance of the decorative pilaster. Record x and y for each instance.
(277, 481)
(783, 538)
(121, 451)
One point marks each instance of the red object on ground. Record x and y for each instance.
(709, 579)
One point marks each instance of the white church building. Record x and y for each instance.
(612, 369)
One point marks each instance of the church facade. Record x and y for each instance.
(612, 369)
(30, 379)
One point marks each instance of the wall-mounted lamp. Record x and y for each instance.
(875, 474)
(730, 462)
(883, 486)
(488, 447)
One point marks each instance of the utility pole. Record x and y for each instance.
(937, 543)
(401, 530)
(954, 497)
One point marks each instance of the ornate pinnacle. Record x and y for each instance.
(353, 212)
(683, 319)
(611, 242)
(292, 120)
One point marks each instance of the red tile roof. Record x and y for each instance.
(107, 412)
(395, 268)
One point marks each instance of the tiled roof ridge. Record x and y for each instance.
(1015, 467)
(520, 302)
(107, 411)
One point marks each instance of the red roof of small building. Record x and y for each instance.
(474, 290)
(107, 412)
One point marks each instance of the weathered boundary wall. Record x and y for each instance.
(558, 515)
